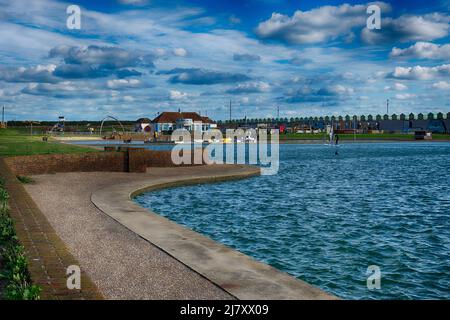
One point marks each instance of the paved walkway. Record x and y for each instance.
(122, 264)
(48, 257)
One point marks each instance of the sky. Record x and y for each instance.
(135, 58)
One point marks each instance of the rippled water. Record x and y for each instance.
(326, 218)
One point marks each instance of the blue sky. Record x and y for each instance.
(135, 58)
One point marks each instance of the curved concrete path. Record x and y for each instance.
(236, 273)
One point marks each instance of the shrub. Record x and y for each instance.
(25, 179)
(15, 267)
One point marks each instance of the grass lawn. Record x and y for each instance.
(14, 142)
(380, 136)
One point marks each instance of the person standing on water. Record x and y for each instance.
(337, 144)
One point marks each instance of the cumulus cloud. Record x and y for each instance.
(199, 76)
(177, 95)
(442, 85)
(79, 71)
(397, 87)
(246, 57)
(423, 50)
(408, 28)
(332, 93)
(103, 57)
(180, 52)
(120, 84)
(420, 73)
(39, 73)
(250, 87)
(405, 96)
(81, 62)
(317, 25)
(66, 89)
(125, 73)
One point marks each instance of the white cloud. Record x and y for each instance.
(317, 25)
(397, 87)
(128, 98)
(180, 52)
(39, 73)
(423, 50)
(250, 87)
(405, 96)
(442, 85)
(408, 28)
(340, 90)
(420, 73)
(117, 84)
(53, 89)
(177, 95)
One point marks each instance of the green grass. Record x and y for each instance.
(376, 136)
(25, 179)
(15, 142)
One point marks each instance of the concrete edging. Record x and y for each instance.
(236, 273)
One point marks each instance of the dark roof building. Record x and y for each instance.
(143, 120)
(169, 121)
(172, 117)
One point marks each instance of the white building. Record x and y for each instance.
(192, 121)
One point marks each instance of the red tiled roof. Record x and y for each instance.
(172, 117)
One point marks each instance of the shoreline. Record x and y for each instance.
(281, 141)
(146, 256)
(238, 274)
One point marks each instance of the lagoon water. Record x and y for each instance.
(325, 218)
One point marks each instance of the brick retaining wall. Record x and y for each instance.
(127, 160)
(51, 163)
